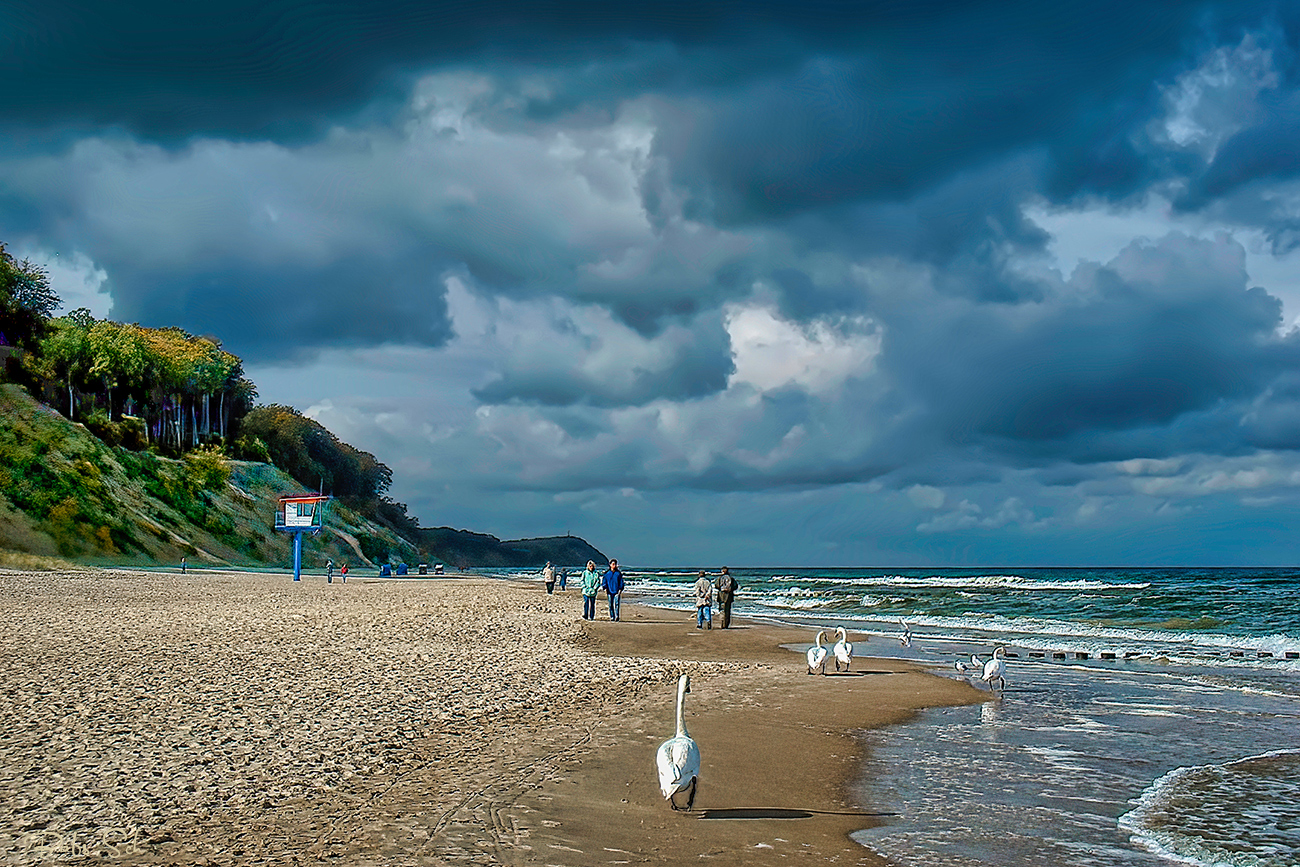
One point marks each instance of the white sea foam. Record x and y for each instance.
(1201, 815)
(989, 582)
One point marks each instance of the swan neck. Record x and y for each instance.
(681, 709)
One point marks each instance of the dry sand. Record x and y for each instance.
(226, 718)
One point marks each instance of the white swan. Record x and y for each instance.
(906, 638)
(843, 650)
(678, 757)
(817, 655)
(994, 668)
(986, 671)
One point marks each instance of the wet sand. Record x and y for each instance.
(229, 718)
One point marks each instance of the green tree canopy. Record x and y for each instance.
(304, 449)
(26, 302)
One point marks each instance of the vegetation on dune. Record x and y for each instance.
(154, 465)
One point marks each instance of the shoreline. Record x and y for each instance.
(232, 717)
(780, 749)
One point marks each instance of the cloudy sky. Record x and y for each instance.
(888, 283)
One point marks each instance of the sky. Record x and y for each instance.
(768, 284)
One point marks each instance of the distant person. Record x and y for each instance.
(614, 585)
(329, 571)
(703, 601)
(548, 575)
(564, 577)
(184, 566)
(344, 570)
(727, 588)
(590, 587)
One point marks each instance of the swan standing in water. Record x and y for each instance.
(843, 650)
(994, 668)
(986, 671)
(678, 758)
(817, 655)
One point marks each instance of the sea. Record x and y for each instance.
(1149, 716)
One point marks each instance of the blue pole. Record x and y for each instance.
(297, 556)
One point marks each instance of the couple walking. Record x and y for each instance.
(725, 587)
(592, 581)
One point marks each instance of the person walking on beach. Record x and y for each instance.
(184, 565)
(614, 587)
(344, 570)
(564, 577)
(548, 575)
(329, 571)
(590, 587)
(727, 588)
(703, 601)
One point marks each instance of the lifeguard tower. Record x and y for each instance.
(299, 514)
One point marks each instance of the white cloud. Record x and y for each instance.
(925, 496)
(1206, 105)
(771, 352)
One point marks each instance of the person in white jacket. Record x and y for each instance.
(703, 601)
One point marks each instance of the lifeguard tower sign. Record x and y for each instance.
(298, 514)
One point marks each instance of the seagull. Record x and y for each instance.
(843, 650)
(817, 655)
(975, 665)
(906, 638)
(678, 758)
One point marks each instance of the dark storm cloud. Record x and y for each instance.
(1264, 151)
(612, 370)
(908, 107)
(275, 314)
(248, 68)
(1162, 331)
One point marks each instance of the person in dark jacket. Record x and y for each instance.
(726, 587)
(614, 588)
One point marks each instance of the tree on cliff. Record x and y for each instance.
(26, 302)
(306, 450)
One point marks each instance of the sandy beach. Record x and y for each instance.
(229, 718)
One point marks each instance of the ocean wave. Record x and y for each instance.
(1196, 647)
(988, 582)
(797, 604)
(1199, 815)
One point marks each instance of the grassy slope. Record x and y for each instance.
(63, 493)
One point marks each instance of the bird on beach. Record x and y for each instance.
(994, 668)
(817, 655)
(989, 671)
(678, 758)
(905, 638)
(843, 650)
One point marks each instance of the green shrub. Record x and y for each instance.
(134, 434)
(374, 549)
(98, 423)
(218, 524)
(206, 469)
(252, 449)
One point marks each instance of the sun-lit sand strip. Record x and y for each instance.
(227, 718)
